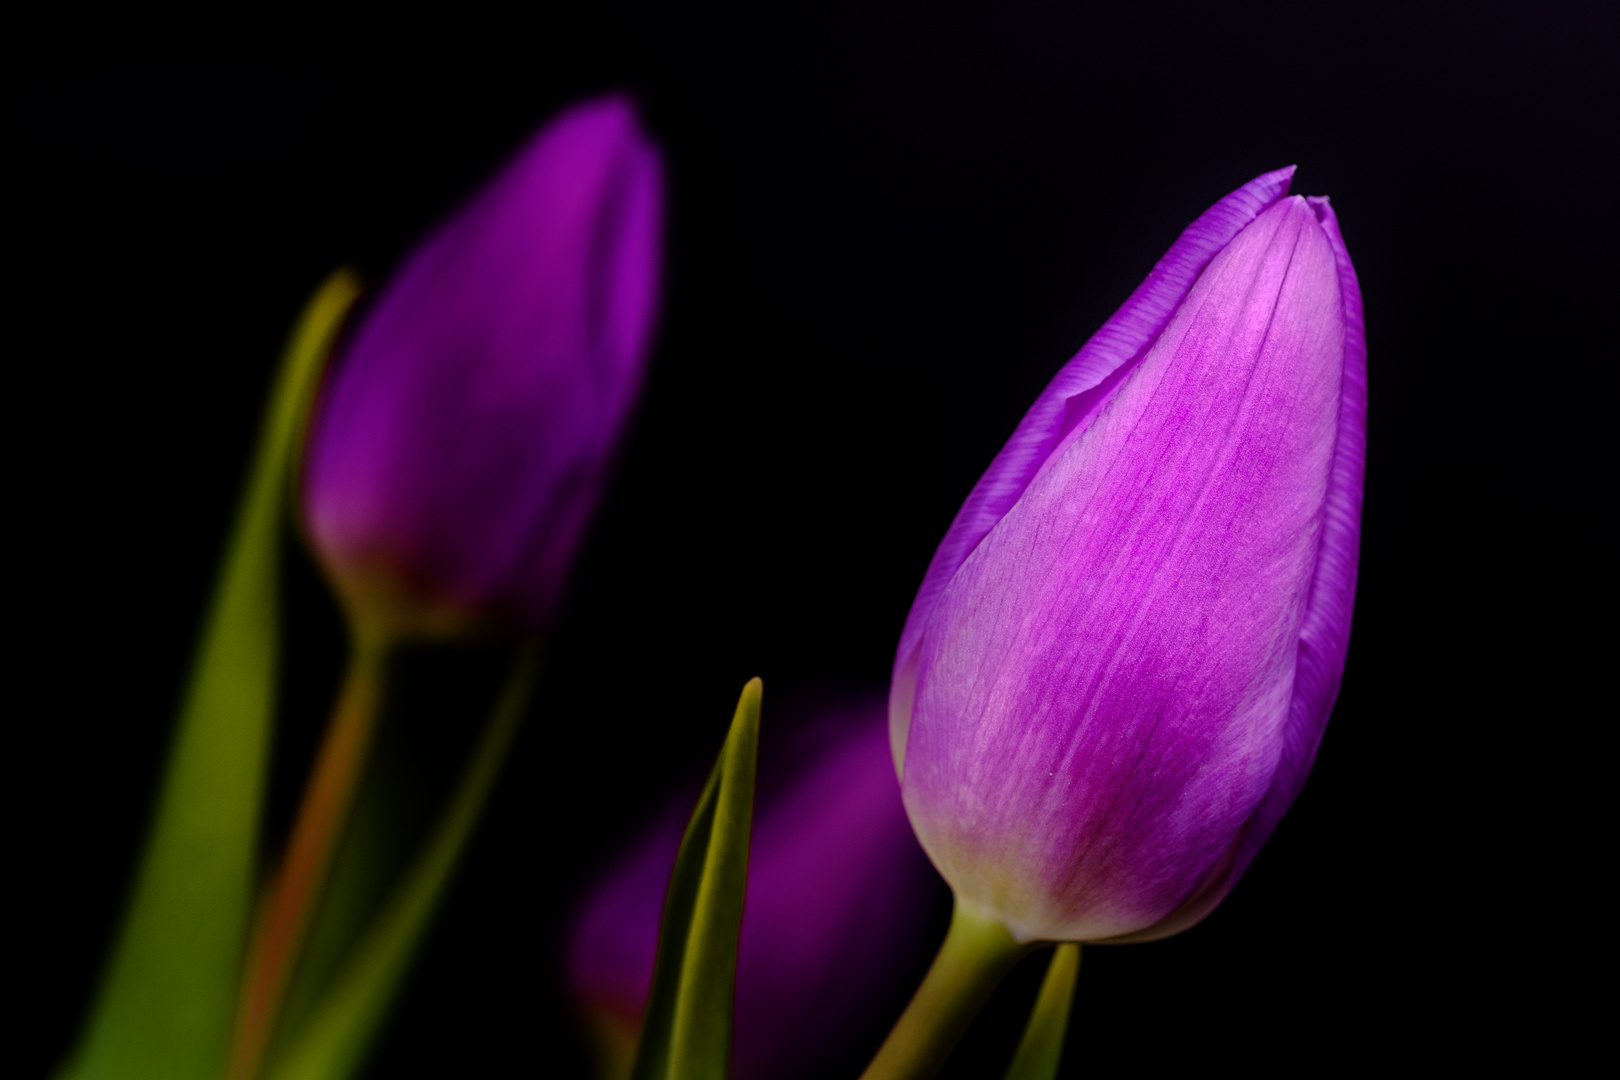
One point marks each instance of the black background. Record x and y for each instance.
(889, 226)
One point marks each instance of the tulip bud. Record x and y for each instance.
(1120, 664)
(462, 443)
(835, 916)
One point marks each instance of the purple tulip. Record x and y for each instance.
(835, 919)
(462, 443)
(1120, 664)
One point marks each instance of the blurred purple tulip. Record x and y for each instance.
(1120, 664)
(462, 442)
(836, 921)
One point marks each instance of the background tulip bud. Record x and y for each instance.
(462, 442)
(835, 921)
(1121, 661)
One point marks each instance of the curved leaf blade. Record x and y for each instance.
(686, 1027)
(167, 1000)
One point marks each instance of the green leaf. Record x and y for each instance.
(332, 1044)
(167, 999)
(1041, 1048)
(686, 1028)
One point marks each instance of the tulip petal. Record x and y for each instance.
(1065, 406)
(1324, 636)
(463, 439)
(1105, 682)
(1325, 630)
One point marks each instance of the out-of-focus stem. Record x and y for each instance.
(290, 901)
(976, 955)
(331, 1043)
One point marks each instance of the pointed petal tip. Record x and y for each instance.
(1121, 338)
(613, 118)
(1279, 179)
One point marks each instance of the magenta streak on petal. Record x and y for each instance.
(1065, 406)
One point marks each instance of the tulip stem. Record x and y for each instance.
(976, 955)
(290, 901)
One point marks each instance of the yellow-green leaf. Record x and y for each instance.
(167, 999)
(686, 1027)
(1041, 1048)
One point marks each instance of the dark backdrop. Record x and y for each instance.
(889, 227)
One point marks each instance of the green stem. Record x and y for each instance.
(976, 955)
(332, 1044)
(1041, 1049)
(291, 899)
